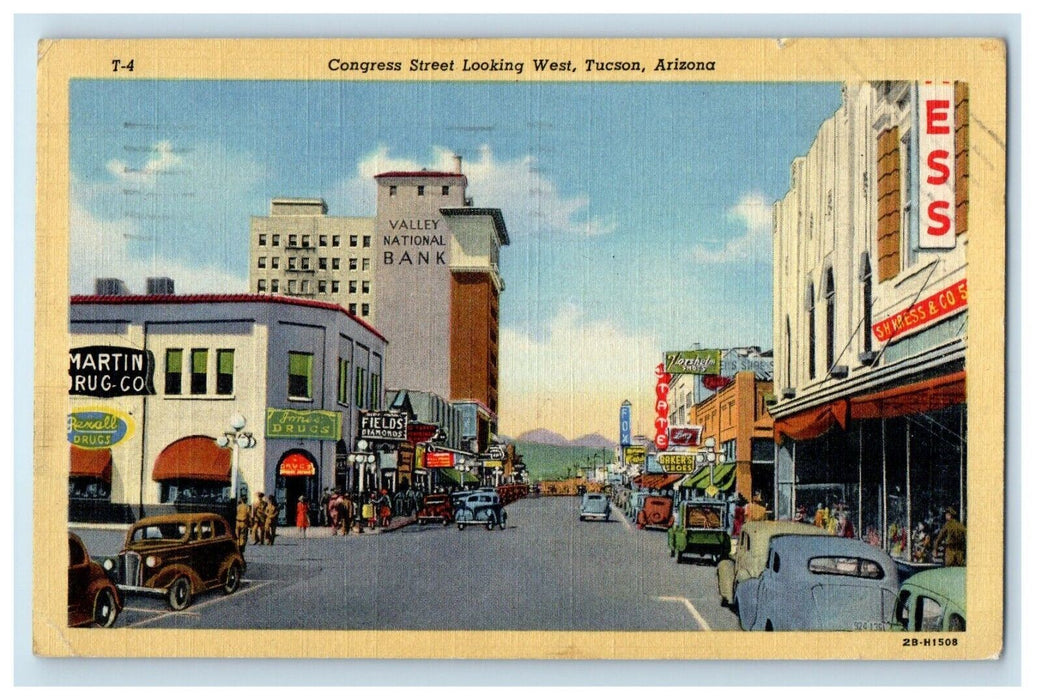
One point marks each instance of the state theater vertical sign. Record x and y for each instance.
(662, 407)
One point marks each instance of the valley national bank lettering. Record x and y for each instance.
(415, 242)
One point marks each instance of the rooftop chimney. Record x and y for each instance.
(159, 285)
(459, 164)
(110, 287)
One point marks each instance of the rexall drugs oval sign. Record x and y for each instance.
(99, 428)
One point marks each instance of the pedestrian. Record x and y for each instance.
(383, 505)
(332, 516)
(953, 537)
(302, 517)
(399, 503)
(343, 513)
(739, 515)
(323, 506)
(258, 518)
(369, 511)
(271, 517)
(756, 510)
(242, 523)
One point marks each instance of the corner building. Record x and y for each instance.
(870, 322)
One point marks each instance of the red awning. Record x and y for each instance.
(812, 422)
(657, 481)
(94, 464)
(195, 457)
(921, 397)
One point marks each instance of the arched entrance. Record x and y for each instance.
(296, 477)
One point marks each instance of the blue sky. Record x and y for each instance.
(639, 214)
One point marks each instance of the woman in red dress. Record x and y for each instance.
(302, 517)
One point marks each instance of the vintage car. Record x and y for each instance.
(595, 506)
(750, 554)
(819, 582)
(93, 598)
(481, 508)
(436, 508)
(635, 503)
(702, 529)
(657, 512)
(178, 556)
(932, 601)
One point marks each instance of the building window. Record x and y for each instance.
(274, 286)
(274, 239)
(334, 286)
(374, 391)
(323, 240)
(393, 190)
(444, 190)
(305, 286)
(225, 371)
(419, 191)
(352, 309)
(321, 263)
(866, 300)
(199, 360)
(365, 309)
(300, 365)
(352, 264)
(788, 353)
(292, 264)
(353, 242)
(321, 286)
(262, 285)
(274, 263)
(291, 287)
(830, 320)
(262, 239)
(305, 263)
(336, 241)
(292, 241)
(359, 387)
(335, 263)
(352, 286)
(730, 450)
(305, 241)
(810, 330)
(262, 263)
(174, 360)
(365, 286)
(343, 382)
(367, 241)
(365, 263)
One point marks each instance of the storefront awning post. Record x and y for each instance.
(908, 488)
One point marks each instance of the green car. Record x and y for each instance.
(932, 601)
(701, 529)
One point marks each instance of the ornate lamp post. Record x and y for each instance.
(237, 439)
(362, 460)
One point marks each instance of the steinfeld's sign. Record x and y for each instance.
(384, 425)
(293, 424)
(693, 362)
(108, 370)
(921, 313)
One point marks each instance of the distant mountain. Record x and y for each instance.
(594, 440)
(543, 436)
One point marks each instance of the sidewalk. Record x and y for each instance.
(315, 531)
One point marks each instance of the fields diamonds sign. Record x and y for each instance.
(384, 425)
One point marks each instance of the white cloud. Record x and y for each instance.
(754, 213)
(163, 160)
(531, 203)
(574, 378)
(101, 248)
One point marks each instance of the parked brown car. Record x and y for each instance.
(179, 556)
(657, 511)
(93, 598)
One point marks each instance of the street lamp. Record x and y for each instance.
(361, 460)
(709, 456)
(237, 439)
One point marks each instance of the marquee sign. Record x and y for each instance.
(440, 460)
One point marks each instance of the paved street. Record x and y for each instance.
(546, 571)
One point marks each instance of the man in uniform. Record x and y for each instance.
(258, 518)
(953, 536)
(271, 515)
(242, 523)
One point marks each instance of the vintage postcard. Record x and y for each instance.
(438, 348)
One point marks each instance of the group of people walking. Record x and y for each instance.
(259, 520)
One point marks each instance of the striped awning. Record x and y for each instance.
(93, 464)
(722, 476)
(196, 457)
(657, 481)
